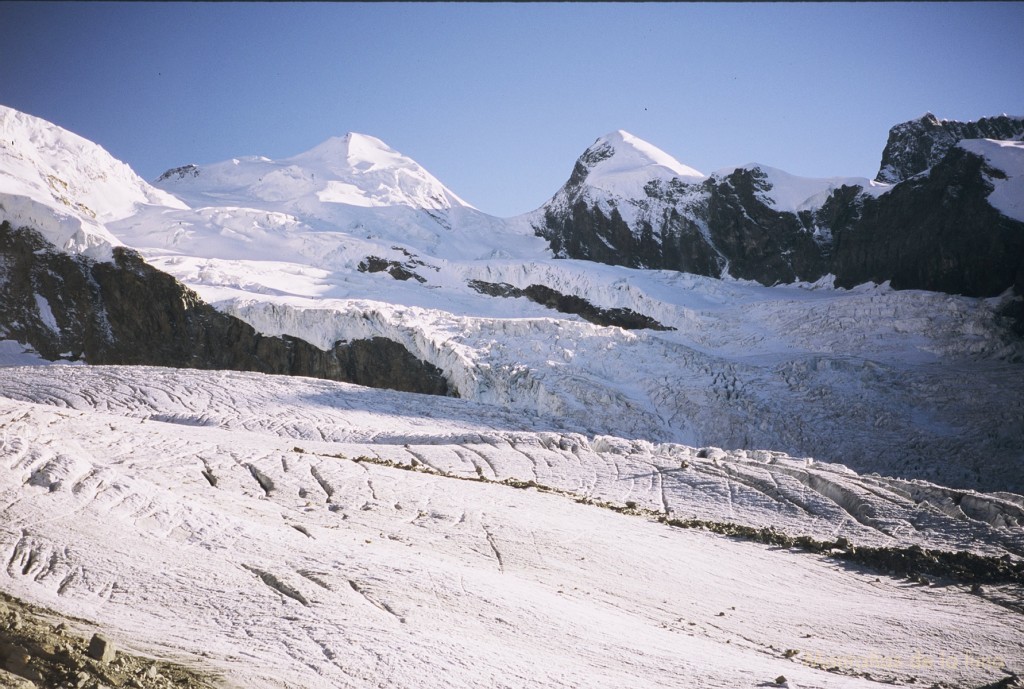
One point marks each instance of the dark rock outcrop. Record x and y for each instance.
(376, 264)
(127, 312)
(183, 172)
(39, 648)
(724, 224)
(917, 145)
(588, 233)
(760, 243)
(627, 319)
(932, 231)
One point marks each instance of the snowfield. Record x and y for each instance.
(226, 520)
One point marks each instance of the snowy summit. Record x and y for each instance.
(355, 169)
(621, 164)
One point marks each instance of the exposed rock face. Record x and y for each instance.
(376, 264)
(722, 225)
(127, 312)
(759, 242)
(183, 172)
(570, 303)
(933, 231)
(665, 228)
(915, 146)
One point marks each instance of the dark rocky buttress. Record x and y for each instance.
(935, 232)
(917, 145)
(932, 231)
(127, 312)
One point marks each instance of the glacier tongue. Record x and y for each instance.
(895, 382)
(299, 533)
(289, 532)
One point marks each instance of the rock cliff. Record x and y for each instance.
(932, 228)
(127, 312)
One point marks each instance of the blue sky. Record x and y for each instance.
(498, 100)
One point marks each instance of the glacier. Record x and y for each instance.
(725, 502)
(288, 532)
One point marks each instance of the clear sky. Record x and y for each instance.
(498, 100)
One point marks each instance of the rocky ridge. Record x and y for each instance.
(934, 229)
(915, 146)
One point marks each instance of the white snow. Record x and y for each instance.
(46, 313)
(66, 186)
(621, 171)
(301, 567)
(632, 164)
(792, 193)
(304, 568)
(16, 354)
(354, 169)
(1007, 157)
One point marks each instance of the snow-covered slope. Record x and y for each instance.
(298, 533)
(1007, 159)
(65, 186)
(621, 164)
(354, 184)
(792, 193)
(617, 173)
(355, 169)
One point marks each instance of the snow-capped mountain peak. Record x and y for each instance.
(622, 164)
(354, 151)
(632, 151)
(354, 170)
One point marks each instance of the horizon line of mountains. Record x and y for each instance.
(934, 229)
(930, 227)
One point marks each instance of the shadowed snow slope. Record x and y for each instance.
(229, 516)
